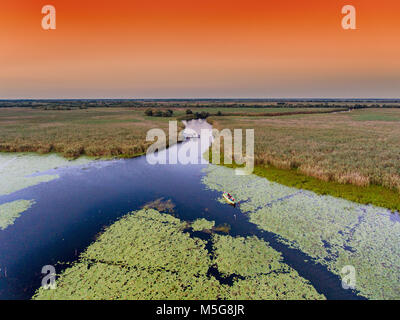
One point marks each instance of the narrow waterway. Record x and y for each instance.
(70, 211)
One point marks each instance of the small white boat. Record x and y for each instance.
(190, 135)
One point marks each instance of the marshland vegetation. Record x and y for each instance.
(10, 211)
(355, 155)
(106, 128)
(22, 170)
(333, 232)
(98, 132)
(150, 255)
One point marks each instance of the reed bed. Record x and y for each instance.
(99, 132)
(361, 147)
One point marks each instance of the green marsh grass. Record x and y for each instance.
(336, 154)
(96, 132)
(330, 147)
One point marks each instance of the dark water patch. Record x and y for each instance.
(213, 269)
(223, 279)
(321, 278)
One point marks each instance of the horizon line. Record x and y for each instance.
(202, 98)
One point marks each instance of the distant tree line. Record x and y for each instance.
(198, 115)
(69, 104)
(189, 114)
(158, 113)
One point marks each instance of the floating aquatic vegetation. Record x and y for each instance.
(202, 224)
(251, 191)
(245, 256)
(161, 205)
(12, 210)
(375, 254)
(130, 240)
(112, 282)
(335, 232)
(289, 286)
(225, 228)
(262, 273)
(146, 255)
(16, 169)
(338, 233)
(311, 221)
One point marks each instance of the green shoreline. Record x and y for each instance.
(373, 194)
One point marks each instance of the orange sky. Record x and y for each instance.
(199, 48)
